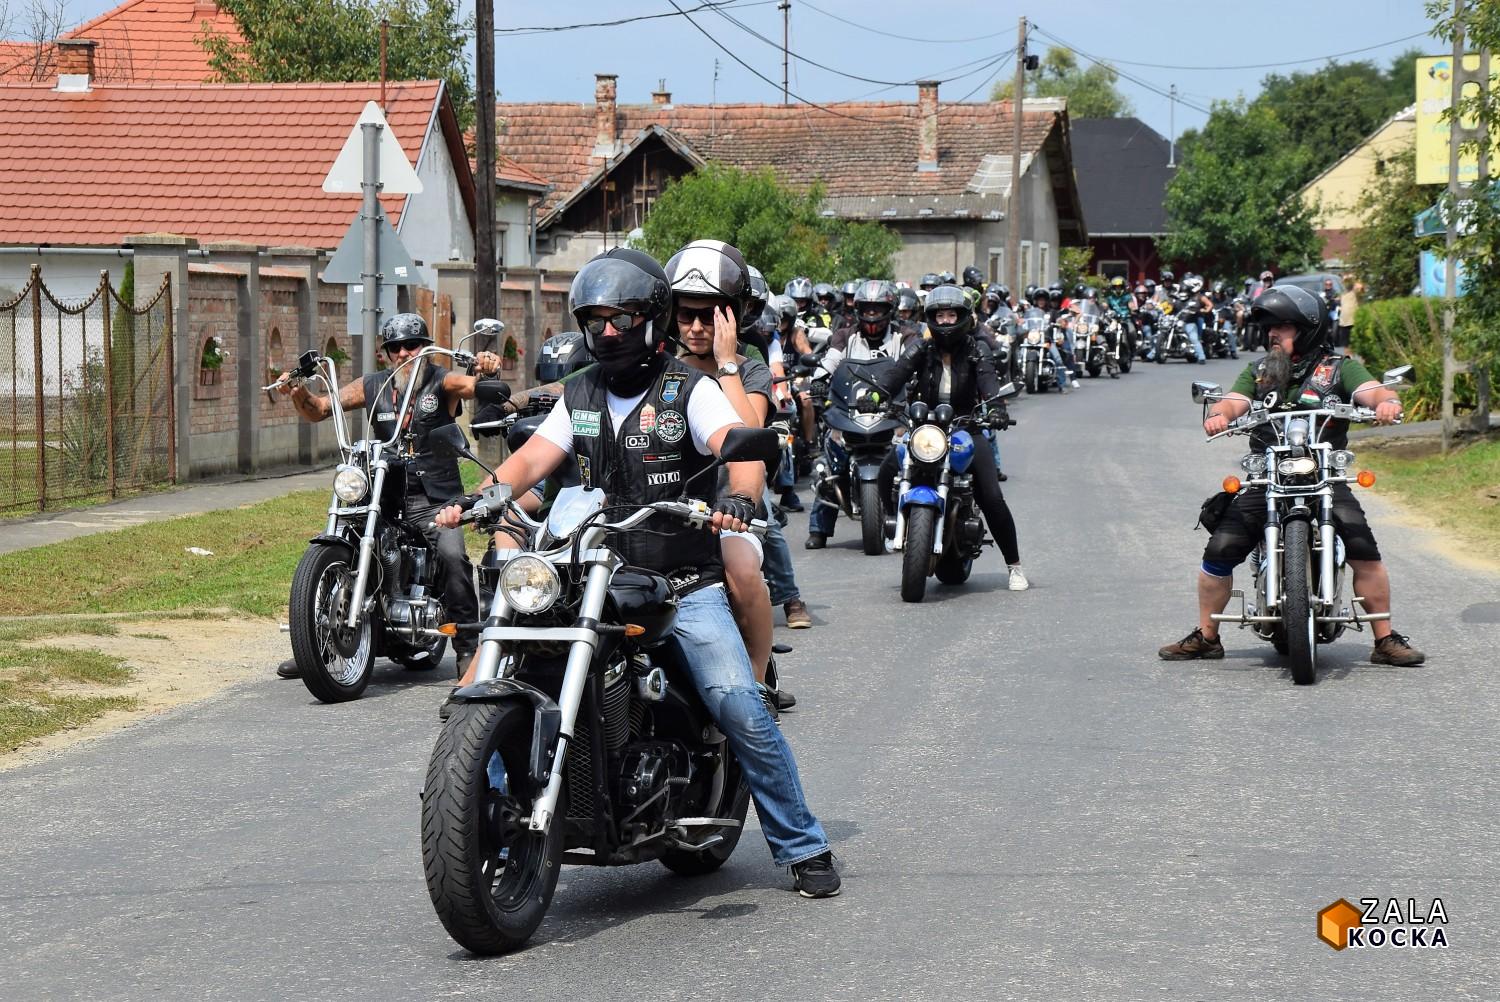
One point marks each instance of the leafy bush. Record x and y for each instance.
(1409, 331)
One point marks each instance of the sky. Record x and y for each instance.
(1213, 38)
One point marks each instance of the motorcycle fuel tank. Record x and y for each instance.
(645, 599)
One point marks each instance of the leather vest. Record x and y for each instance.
(428, 475)
(649, 459)
(1324, 378)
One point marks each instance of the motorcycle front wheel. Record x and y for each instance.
(491, 879)
(872, 519)
(1296, 603)
(916, 558)
(1032, 381)
(336, 660)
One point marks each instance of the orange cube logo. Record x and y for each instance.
(1335, 921)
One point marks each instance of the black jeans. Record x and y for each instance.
(454, 575)
(1244, 526)
(986, 491)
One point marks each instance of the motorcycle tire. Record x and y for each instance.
(872, 519)
(1094, 370)
(1127, 359)
(490, 879)
(336, 661)
(421, 658)
(916, 558)
(1296, 603)
(954, 567)
(1032, 379)
(733, 803)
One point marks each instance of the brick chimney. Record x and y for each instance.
(75, 64)
(205, 10)
(927, 125)
(606, 129)
(661, 95)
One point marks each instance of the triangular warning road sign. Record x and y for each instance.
(347, 265)
(347, 174)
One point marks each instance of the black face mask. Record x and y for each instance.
(630, 364)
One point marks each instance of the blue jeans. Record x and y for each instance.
(1192, 329)
(1063, 370)
(825, 514)
(1148, 337)
(707, 642)
(776, 565)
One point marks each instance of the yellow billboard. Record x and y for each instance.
(1434, 95)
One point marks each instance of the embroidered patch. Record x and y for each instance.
(1322, 376)
(586, 423)
(671, 426)
(648, 419)
(661, 457)
(659, 479)
(429, 403)
(637, 442)
(671, 387)
(585, 471)
(1310, 398)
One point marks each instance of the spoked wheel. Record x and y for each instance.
(491, 879)
(1296, 604)
(336, 660)
(872, 519)
(732, 801)
(916, 558)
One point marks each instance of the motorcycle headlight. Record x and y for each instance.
(928, 444)
(1296, 433)
(350, 484)
(530, 584)
(1253, 463)
(1341, 459)
(1034, 337)
(1297, 467)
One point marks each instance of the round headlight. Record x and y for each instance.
(928, 443)
(530, 584)
(1253, 463)
(1341, 459)
(350, 484)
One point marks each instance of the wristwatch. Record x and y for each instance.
(729, 369)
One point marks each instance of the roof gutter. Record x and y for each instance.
(37, 250)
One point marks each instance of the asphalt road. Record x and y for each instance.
(1027, 803)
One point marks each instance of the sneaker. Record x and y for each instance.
(797, 617)
(288, 669)
(1076, 384)
(815, 541)
(791, 502)
(1394, 649)
(1193, 647)
(1000, 476)
(816, 877)
(1018, 580)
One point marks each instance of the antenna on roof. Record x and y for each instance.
(713, 103)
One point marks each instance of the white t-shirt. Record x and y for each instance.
(708, 410)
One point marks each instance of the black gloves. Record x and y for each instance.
(737, 506)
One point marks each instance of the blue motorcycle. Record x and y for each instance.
(939, 529)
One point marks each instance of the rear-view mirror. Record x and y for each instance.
(751, 445)
(1399, 376)
(448, 442)
(1203, 389)
(491, 391)
(1007, 391)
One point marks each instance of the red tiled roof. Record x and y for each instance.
(210, 161)
(509, 171)
(859, 148)
(138, 40)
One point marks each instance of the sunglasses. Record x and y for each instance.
(704, 315)
(621, 322)
(397, 347)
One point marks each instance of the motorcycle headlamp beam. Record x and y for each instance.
(350, 483)
(530, 584)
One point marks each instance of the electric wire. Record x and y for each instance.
(1272, 66)
(550, 28)
(1154, 88)
(967, 40)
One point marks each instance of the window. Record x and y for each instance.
(997, 264)
(1026, 275)
(1043, 265)
(1111, 269)
(500, 234)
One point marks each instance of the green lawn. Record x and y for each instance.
(45, 689)
(1460, 492)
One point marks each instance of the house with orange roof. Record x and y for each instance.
(937, 173)
(138, 40)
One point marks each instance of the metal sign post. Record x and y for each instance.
(370, 216)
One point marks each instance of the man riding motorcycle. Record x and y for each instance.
(1299, 361)
(801, 292)
(623, 301)
(435, 481)
(1122, 303)
(950, 366)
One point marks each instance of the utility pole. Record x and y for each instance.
(786, 35)
(1450, 265)
(1013, 202)
(1172, 129)
(486, 300)
(385, 32)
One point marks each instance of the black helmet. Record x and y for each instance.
(906, 299)
(711, 269)
(992, 295)
(947, 278)
(760, 292)
(404, 327)
(1037, 293)
(1030, 292)
(1004, 292)
(949, 297)
(799, 288)
(1090, 293)
(1117, 284)
(974, 278)
(1150, 286)
(560, 355)
(628, 280)
(1078, 290)
(877, 298)
(1167, 278)
(930, 281)
(1288, 304)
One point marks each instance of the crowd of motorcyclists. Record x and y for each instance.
(887, 398)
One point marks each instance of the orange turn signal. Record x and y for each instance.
(634, 629)
(1365, 479)
(1232, 485)
(448, 629)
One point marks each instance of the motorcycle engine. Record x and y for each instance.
(413, 613)
(641, 788)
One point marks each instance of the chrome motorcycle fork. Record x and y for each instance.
(899, 540)
(487, 661)
(942, 523)
(1326, 558)
(1273, 555)
(367, 543)
(575, 677)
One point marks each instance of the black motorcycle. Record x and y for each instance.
(577, 742)
(860, 423)
(367, 585)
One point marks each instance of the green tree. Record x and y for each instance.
(289, 41)
(777, 228)
(1091, 92)
(1331, 110)
(1233, 208)
(1385, 249)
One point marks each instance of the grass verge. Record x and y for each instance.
(45, 689)
(1459, 492)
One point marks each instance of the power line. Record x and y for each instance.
(989, 79)
(706, 5)
(980, 65)
(1272, 66)
(1115, 69)
(966, 40)
(719, 45)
